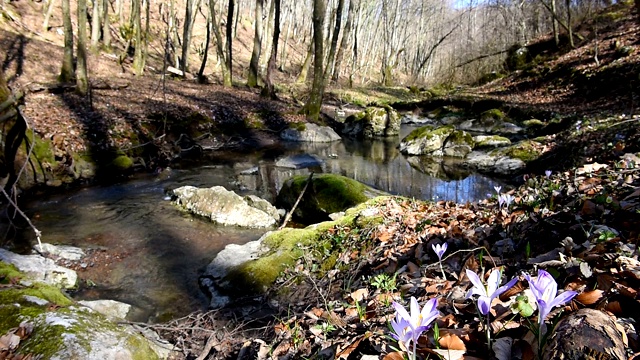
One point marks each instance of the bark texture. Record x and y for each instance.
(585, 334)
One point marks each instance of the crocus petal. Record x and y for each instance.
(505, 287)
(402, 312)
(563, 298)
(415, 313)
(478, 287)
(493, 282)
(484, 304)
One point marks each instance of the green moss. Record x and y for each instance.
(525, 151)
(8, 272)
(122, 163)
(492, 115)
(460, 138)
(141, 349)
(429, 131)
(42, 149)
(491, 140)
(300, 126)
(533, 123)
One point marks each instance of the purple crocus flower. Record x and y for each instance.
(497, 189)
(547, 173)
(439, 249)
(409, 326)
(505, 199)
(545, 289)
(488, 293)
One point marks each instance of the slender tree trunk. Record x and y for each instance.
(312, 107)
(556, 35)
(67, 72)
(267, 35)
(230, 38)
(201, 78)
(306, 64)
(106, 31)
(47, 15)
(344, 42)
(226, 72)
(283, 55)
(186, 35)
(138, 56)
(254, 71)
(82, 80)
(569, 25)
(334, 41)
(95, 25)
(271, 67)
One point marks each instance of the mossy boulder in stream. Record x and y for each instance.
(441, 141)
(326, 194)
(374, 122)
(251, 268)
(60, 329)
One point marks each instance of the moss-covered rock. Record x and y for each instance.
(491, 141)
(526, 151)
(62, 330)
(372, 123)
(273, 253)
(121, 163)
(442, 141)
(326, 194)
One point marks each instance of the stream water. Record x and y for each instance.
(162, 250)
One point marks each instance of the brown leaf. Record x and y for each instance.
(359, 294)
(589, 297)
(354, 345)
(614, 307)
(396, 355)
(447, 354)
(452, 342)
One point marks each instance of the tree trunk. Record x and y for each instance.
(106, 32)
(271, 67)
(334, 42)
(226, 73)
(312, 107)
(556, 35)
(47, 16)
(67, 72)
(138, 56)
(283, 55)
(186, 36)
(344, 42)
(306, 64)
(230, 38)
(82, 81)
(201, 78)
(95, 25)
(254, 72)
(569, 25)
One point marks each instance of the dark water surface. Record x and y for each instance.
(164, 249)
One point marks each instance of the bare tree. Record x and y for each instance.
(82, 80)
(312, 107)
(252, 79)
(138, 56)
(67, 72)
(95, 24)
(334, 41)
(345, 40)
(269, 89)
(106, 31)
(226, 71)
(230, 38)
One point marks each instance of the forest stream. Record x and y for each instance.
(156, 252)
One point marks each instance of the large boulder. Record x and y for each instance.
(310, 133)
(61, 329)
(372, 123)
(326, 194)
(442, 141)
(506, 160)
(226, 207)
(41, 269)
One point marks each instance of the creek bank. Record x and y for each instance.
(58, 328)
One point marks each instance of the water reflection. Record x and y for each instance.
(164, 250)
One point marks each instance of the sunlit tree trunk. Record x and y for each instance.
(270, 90)
(82, 81)
(106, 31)
(226, 72)
(138, 56)
(95, 24)
(556, 35)
(47, 15)
(186, 35)
(334, 41)
(67, 72)
(569, 25)
(254, 72)
(344, 42)
(306, 64)
(312, 107)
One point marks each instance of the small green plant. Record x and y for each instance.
(384, 282)
(527, 251)
(326, 328)
(606, 235)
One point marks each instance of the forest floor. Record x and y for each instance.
(580, 222)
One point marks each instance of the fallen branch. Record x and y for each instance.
(290, 213)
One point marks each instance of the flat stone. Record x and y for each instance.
(110, 308)
(64, 251)
(311, 133)
(299, 161)
(41, 269)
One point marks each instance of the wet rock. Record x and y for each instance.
(64, 251)
(41, 269)
(310, 133)
(372, 123)
(225, 207)
(327, 194)
(414, 119)
(299, 161)
(110, 308)
(493, 163)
